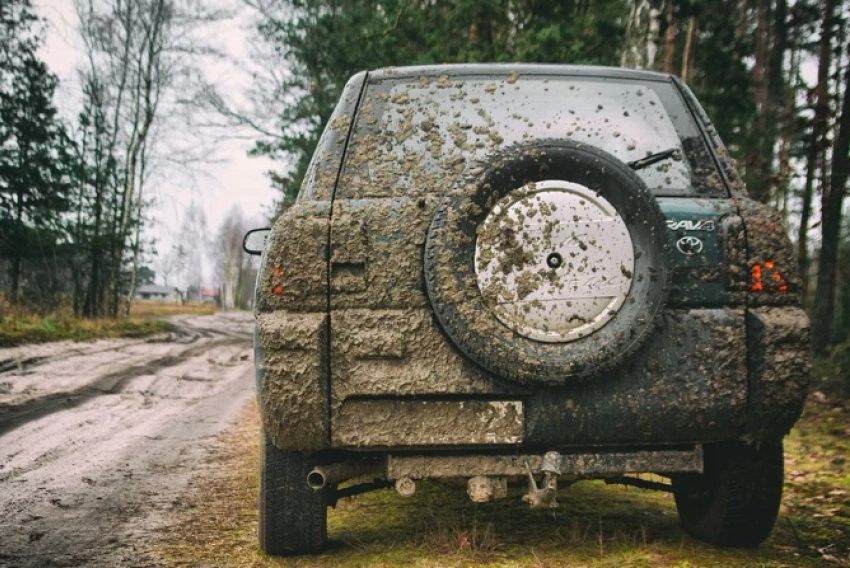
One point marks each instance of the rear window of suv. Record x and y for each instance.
(420, 135)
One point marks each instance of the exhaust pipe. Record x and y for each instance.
(334, 473)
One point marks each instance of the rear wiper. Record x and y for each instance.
(655, 158)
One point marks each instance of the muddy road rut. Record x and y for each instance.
(98, 441)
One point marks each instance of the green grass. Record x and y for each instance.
(16, 329)
(596, 526)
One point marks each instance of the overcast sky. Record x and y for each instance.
(232, 178)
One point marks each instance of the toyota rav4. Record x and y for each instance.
(533, 274)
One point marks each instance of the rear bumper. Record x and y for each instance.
(705, 375)
(585, 464)
(779, 350)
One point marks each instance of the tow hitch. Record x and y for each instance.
(545, 495)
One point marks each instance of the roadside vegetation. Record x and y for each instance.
(596, 526)
(19, 326)
(15, 330)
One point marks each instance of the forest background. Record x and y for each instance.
(772, 74)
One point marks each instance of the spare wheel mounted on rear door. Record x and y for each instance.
(550, 262)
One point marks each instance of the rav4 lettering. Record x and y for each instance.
(706, 225)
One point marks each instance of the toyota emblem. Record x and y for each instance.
(689, 245)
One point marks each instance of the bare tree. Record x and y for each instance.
(142, 55)
(234, 267)
(171, 264)
(137, 244)
(193, 237)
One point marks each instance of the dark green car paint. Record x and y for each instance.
(699, 230)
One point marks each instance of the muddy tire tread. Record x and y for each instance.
(292, 516)
(736, 501)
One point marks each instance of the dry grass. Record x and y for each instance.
(221, 520)
(21, 328)
(158, 309)
(21, 324)
(596, 526)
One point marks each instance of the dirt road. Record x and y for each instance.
(98, 441)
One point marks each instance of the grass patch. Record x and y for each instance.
(19, 326)
(17, 329)
(597, 526)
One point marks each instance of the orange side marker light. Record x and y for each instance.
(277, 289)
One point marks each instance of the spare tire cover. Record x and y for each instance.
(549, 262)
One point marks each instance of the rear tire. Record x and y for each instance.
(293, 517)
(736, 501)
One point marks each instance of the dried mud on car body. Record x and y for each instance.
(492, 278)
(361, 259)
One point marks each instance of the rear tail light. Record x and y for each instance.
(766, 277)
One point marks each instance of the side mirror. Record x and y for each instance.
(255, 240)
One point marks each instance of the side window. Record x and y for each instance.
(720, 157)
(320, 181)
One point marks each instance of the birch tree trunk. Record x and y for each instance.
(137, 244)
(641, 42)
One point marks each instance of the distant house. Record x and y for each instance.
(154, 293)
(201, 295)
(209, 296)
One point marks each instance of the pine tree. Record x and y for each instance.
(324, 42)
(32, 187)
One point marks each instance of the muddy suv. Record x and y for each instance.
(532, 274)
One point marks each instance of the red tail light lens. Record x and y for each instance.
(766, 277)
